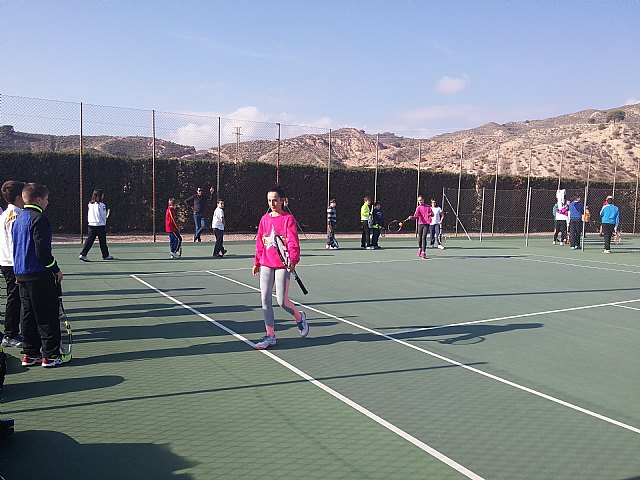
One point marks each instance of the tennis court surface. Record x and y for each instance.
(488, 360)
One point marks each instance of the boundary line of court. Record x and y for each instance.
(624, 306)
(637, 272)
(581, 260)
(521, 315)
(356, 406)
(459, 364)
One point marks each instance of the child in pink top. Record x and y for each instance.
(272, 271)
(423, 215)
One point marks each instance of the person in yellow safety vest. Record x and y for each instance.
(366, 218)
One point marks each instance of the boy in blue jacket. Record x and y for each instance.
(610, 222)
(38, 274)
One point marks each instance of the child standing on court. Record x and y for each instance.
(97, 218)
(173, 230)
(331, 225)
(435, 227)
(423, 214)
(269, 266)
(218, 230)
(38, 274)
(377, 225)
(12, 194)
(366, 219)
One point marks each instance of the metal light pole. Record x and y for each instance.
(459, 185)
(375, 182)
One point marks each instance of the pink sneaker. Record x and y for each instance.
(419, 252)
(424, 255)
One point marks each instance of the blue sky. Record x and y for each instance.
(414, 67)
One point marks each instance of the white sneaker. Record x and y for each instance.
(303, 326)
(84, 258)
(607, 251)
(327, 247)
(555, 243)
(265, 342)
(441, 247)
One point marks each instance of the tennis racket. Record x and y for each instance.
(65, 349)
(395, 226)
(283, 252)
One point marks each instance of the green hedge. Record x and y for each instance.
(128, 186)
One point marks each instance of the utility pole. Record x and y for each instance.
(238, 143)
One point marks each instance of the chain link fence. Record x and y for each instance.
(146, 157)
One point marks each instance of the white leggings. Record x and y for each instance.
(279, 276)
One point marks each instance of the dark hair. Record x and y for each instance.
(279, 190)
(375, 204)
(97, 195)
(333, 200)
(610, 200)
(31, 191)
(366, 197)
(11, 189)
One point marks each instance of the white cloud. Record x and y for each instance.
(632, 101)
(452, 85)
(200, 129)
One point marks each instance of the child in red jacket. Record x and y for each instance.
(173, 230)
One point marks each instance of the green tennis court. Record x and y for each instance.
(488, 360)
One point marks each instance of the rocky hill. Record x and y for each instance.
(609, 138)
(106, 145)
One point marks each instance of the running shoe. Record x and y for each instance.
(419, 252)
(50, 362)
(265, 342)
(424, 255)
(28, 360)
(15, 342)
(108, 257)
(303, 326)
(84, 258)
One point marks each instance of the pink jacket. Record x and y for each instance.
(423, 214)
(283, 225)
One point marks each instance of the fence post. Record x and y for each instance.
(495, 191)
(526, 207)
(615, 174)
(481, 213)
(278, 159)
(586, 195)
(459, 185)
(329, 171)
(81, 180)
(635, 204)
(375, 180)
(219, 158)
(153, 174)
(526, 242)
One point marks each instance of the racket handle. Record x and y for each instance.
(300, 284)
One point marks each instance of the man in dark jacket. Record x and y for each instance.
(576, 210)
(199, 203)
(38, 274)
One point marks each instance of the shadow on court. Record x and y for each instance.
(22, 391)
(464, 334)
(28, 455)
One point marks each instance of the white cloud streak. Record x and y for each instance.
(452, 85)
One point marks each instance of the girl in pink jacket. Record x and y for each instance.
(272, 271)
(423, 215)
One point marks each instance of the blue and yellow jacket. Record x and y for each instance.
(32, 258)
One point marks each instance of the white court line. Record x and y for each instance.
(381, 421)
(522, 315)
(624, 306)
(583, 260)
(455, 362)
(579, 266)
